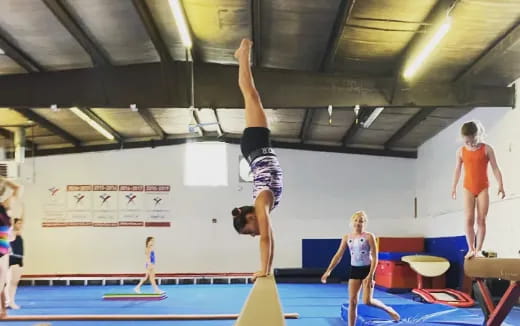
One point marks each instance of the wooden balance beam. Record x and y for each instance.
(129, 317)
(262, 306)
(503, 268)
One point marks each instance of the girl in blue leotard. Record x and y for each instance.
(150, 267)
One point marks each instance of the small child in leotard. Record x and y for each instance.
(150, 267)
(363, 263)
(475, 156)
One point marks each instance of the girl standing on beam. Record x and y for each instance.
(475, 155)
(267, 174)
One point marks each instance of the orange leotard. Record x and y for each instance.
(475, 169)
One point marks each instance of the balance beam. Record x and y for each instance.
(262, 306)
(503, 268)
(129, 317)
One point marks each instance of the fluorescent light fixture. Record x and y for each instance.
(134, 108)
(412, 68)
(180, 21)
(372, 117)
(92, 123)
(2, 52)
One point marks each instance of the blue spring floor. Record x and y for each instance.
(317, 304)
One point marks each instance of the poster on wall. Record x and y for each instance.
(157, 205)
(105, 205)
(79, 205)
(131, 207)
(54, 212)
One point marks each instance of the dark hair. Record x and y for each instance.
(469, 128)
(16, 220)
(239, 216)
(148, 239)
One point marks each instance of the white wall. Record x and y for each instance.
(322, 190)
(442, 216)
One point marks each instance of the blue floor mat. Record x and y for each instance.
(317, 304)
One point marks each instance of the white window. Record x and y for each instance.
(206, 164)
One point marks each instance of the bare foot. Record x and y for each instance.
(159, 291)
(245, 47)
(470, 254)
(14, 306)
(137, 290)
(395, 316)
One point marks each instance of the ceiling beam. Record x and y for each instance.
(256, 13)
(103, 124)
(195, 114)
(148, 117)
(413, 122)
(493, 54)
(8, 134)
(153, 31)
(306, 125)
(42, 122)
(219, 125)
(59, 9)
(344, 12)
(363, 114)
(17, 55)
(118, 87)
(230, 139)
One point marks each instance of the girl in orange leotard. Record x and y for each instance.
(474, 155)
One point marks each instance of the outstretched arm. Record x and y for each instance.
(456, 176)
(496, 170)
(336, 259)
(262, 207)
(14, 186)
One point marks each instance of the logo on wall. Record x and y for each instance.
(104, 198)
(131, 198)
(157, 201)
(53, 191)
(79, 198)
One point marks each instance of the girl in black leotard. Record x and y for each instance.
(255, 144)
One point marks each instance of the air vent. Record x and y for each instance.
(9, 169)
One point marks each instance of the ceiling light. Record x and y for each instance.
(416, 62)
(372, 117)
(180, 21)
(92, 123)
